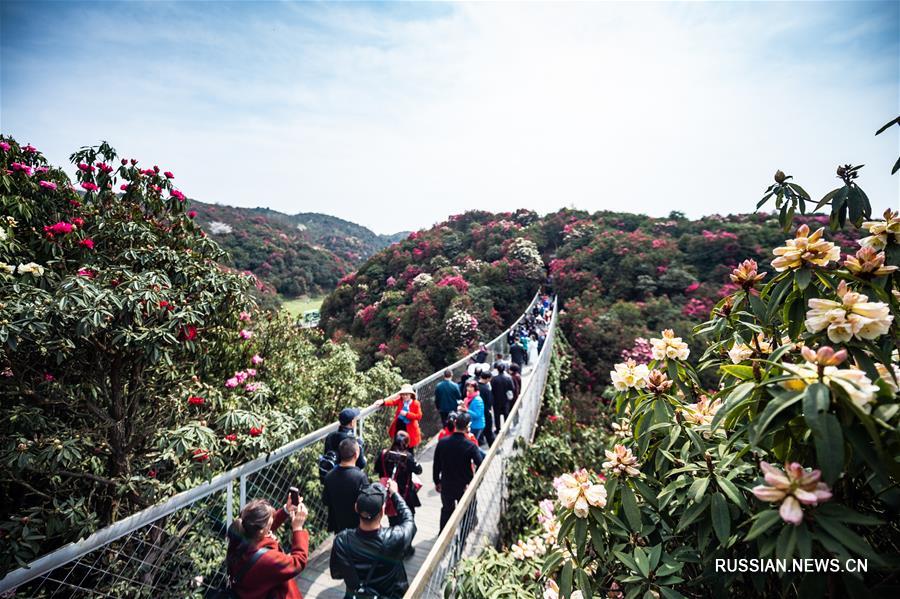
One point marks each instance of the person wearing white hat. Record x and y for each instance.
(409, 413)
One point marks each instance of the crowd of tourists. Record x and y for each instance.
(366, 555)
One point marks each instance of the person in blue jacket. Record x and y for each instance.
(474, 405)
(446, 396)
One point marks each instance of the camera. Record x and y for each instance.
(295, 495)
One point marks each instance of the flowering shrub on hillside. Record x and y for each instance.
(133, 365)
(808, 378)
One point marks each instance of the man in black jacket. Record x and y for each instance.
(518, 354)
(487, 396)
(346, 430)
(504, 392)
(370, 558)
(342, 486)
(454, 457)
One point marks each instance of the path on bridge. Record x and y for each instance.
(315, 581)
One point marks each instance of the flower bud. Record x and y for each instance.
(779, 177)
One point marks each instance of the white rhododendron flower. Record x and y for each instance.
(669, 346)
(702, 412)
(621, 461)
(854, 382)
(740, 352)
(881, 230)
(629, 375)
(805, 249)
(577, 492)
(793, 487)
(31, 267)
(853, 316)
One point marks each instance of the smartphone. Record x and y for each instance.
(295, 495)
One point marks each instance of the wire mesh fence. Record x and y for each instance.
(177, 548)
(476, 521)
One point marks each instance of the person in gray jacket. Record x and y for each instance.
(369, 559)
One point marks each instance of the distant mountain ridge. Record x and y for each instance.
(306, 253)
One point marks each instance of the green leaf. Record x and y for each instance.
(698, 488)
(581, 536)
(743, 373)
(565, 579)
(848, 538)
(721, 517)
(802, 277)
(763, 522)
(584, 583)
(630, 507)
(816, 398)
(643, 561)
(731, 492)
(772, 409)
(829, 440)
(827, 198)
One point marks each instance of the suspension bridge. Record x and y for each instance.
(177, 547)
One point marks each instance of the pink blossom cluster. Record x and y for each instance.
(710, 236)
(60, 228)
(456, 281)
(47, 185)
(4, 146)
(240, 377)
(245, 334)
(697, 308)
(19, 167)
(256, 360)
(367, 314)
(641, 353)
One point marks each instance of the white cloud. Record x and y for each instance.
(396, 123)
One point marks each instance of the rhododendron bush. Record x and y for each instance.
(791, 452)
(133, 366)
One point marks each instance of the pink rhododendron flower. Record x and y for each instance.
(147, 171)
(104, 167)
(86, 168)
(19, 167)
(231, 438)
(255, 431)
(256, 360)
(47, 185)
(49, 377)
(78, 221)
(793, 487)
(124, 186)
(244, 316)
(42, 169)
(251, 371)
(196, 401)
(231, 383)
(252, 387)
(192, 214)
(88, 186)
(4, 146)
(60, 228)
(88, 243)
(692, 287)
(87, 272)
(29, 149)
(169, 175)
(177, 194)
(245, 334)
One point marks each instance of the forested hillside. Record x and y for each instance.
(298, 254)
(620, 276)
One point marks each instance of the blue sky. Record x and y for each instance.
(396, 115)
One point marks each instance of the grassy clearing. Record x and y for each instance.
(296, 307)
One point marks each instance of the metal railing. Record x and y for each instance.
(177, 548)
(475, 521)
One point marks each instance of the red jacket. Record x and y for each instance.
(273, 573)
(414, 415)
(445, 433)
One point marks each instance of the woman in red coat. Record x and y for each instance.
(409, 412)
(256, 575)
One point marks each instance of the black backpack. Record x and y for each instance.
(327, 462)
